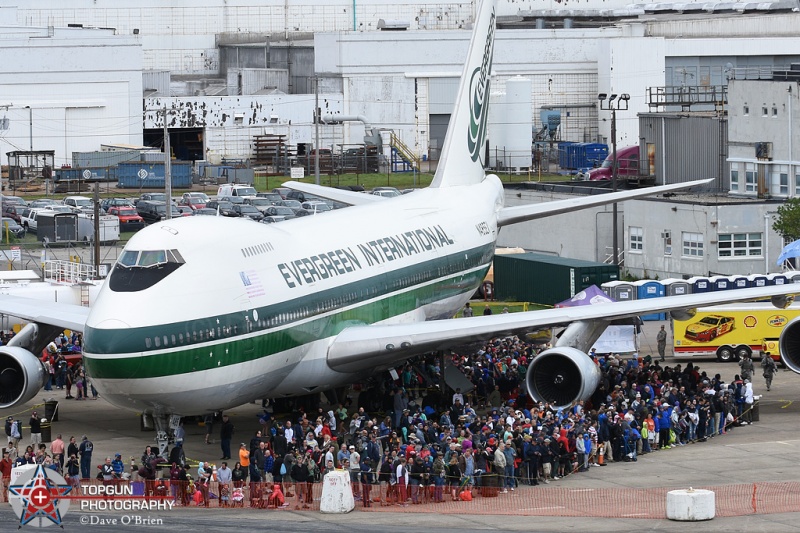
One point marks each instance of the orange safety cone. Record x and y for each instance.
(601, 455)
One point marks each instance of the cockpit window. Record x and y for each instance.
(137, 270)
(150, 258)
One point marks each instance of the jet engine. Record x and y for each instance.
(21, 376)
(563, 375)
(789, 345)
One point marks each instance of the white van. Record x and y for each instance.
(235, 190)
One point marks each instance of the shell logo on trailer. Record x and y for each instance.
(750, 321)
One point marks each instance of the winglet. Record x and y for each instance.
(461, 160)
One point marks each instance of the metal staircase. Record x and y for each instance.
(403, 159)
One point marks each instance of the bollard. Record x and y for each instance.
(690, 505)
(337, 494)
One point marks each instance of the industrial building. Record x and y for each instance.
(238, 80)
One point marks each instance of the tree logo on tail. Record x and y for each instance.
(479, 96)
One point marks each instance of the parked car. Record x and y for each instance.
(248, 211)
(28, 216)
(271, 219)
(259, 203)
(108, 203)
(206, 211)
(224, 208)
(203, 197)
(185, 210)
(316, 207)
(42, 202)
(13, 211)
(129, 219)
(386, 192)
(283, 191)
(80, 204)
(292, 204)
(300, 196)
(280, 211)
(155, 211)
(232, 199)
(271, 196)
(192, 202)
(13, 227)
(16, 200)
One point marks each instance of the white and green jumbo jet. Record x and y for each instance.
(202, 314)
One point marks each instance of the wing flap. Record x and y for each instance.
(371, 347)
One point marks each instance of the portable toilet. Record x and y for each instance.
(621, 291)
(757, 280)
(776, 279)
(739, 282)
(648, 288)
(700, 284)
(720, 283)
(676, 286)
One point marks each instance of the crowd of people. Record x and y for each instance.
(431, 447)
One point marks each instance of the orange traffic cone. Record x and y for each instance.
(601, 455)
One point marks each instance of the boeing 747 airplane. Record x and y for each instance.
(320, 302)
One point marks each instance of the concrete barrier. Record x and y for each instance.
(690, 505)
(337, 496)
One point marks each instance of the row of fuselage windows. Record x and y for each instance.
(358, 294)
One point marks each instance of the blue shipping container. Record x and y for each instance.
(88, 175)
(151, 175)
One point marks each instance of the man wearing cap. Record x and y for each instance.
(36, 430)
(85, 451)
(355, 470)
(661, 342)
(244, 459)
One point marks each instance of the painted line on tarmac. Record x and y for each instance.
(784, 442)
(543, 508)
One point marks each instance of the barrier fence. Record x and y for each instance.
(544, 500)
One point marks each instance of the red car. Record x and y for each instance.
(192, 202)
(129, 219)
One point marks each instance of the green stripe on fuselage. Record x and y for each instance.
(278, 324)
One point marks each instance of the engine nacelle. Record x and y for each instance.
(789, 345)
(562, 376)
(21, 376)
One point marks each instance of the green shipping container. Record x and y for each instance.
(546, 279)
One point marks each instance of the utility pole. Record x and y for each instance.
(96, 242)
(316, 130)
(167, 168)
(612, 103)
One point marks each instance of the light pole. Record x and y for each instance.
(612, 103)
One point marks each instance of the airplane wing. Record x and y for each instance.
(66, 316)
(368, 347)
(331, 193)
(521, 213)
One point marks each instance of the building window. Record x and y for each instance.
(692, 244)
(740, 245)
(783, 187)
(750, 180)
(797, 184)
(764, 111)
(746, 110)
(734, 179)
(666, 235)
(774, 111)
(636, 236)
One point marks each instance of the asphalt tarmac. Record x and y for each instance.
(764, 451)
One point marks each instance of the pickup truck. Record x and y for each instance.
(129, 219)
(27, 218)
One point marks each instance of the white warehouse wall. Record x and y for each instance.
(71, 91)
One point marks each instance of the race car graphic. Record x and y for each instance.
(709, 328)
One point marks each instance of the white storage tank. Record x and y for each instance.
(497, 130)
(519, 128)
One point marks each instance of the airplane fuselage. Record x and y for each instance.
(234, 310)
